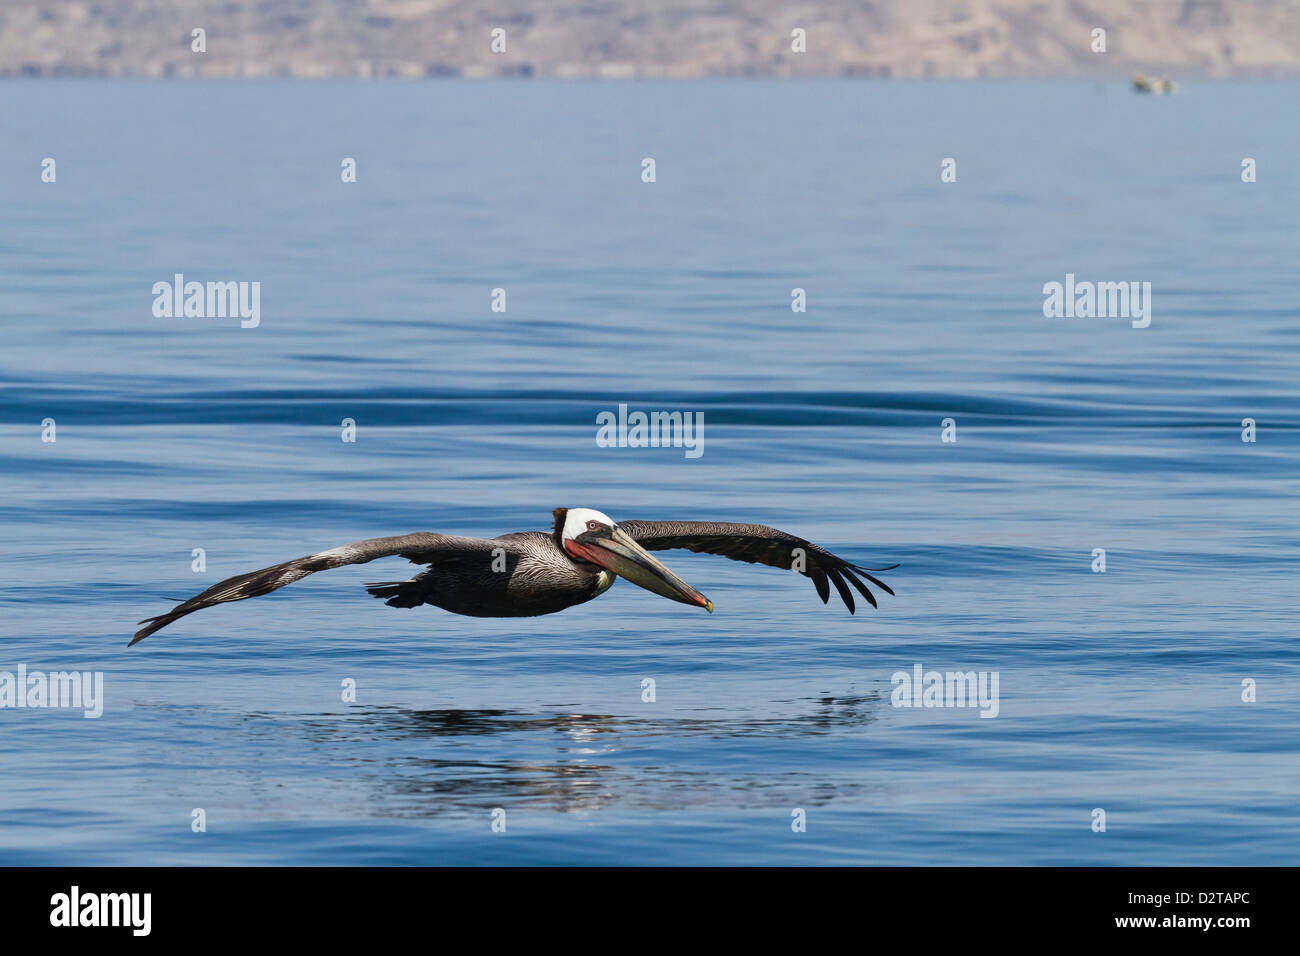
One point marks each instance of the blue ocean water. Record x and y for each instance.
(1120, 691)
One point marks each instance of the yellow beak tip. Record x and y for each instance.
(708, 606)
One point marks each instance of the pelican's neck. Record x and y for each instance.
(604, 581)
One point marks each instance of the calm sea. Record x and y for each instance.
(1119, 691)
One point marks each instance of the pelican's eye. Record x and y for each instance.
(593, 525)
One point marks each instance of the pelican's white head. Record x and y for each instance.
(578, 520)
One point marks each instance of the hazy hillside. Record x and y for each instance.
(667, 38)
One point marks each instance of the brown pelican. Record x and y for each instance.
(528, 573)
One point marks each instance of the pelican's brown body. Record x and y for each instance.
(528, 573)
(522, 574)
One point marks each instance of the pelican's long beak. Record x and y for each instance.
(618, 552)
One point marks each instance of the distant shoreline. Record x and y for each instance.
(1125, 79)
(626, 39)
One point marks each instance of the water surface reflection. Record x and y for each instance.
(435, 762)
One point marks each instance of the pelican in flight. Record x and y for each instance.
(528, 573)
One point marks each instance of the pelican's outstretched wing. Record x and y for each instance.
(759, 544)
(421, 548)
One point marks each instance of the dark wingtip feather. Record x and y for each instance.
(162, 620)
(823, 586)
(874, 580)
(862, 588)
(845, 593)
